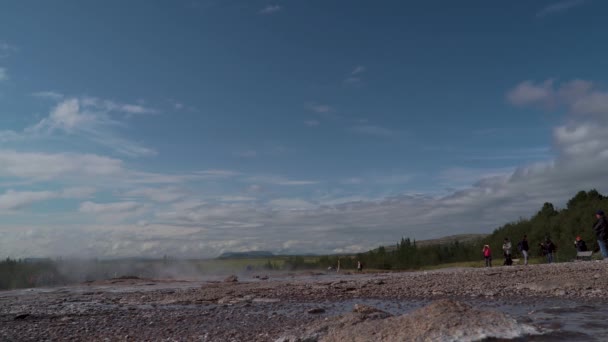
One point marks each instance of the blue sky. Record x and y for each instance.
(190, 128)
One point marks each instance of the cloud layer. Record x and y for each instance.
(133, 212)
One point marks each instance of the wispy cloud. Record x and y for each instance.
(559, 7)
(373, 130)
(89, 118)
(279, 180)
(270, 9)
(312, 123)
(355, 76)
(320, 108)
(246, 154)
(3, 74)
(51, 95)
(358, 70)
(6, 49)
(14, 200)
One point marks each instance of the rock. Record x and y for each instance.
(231, 279)
(365, 309)
(21, 317)
(315, 311)
(560, 293)
(443, 320)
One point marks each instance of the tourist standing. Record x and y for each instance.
(487, 255)
(580, 244)
(506, 248)
(601, 232)
(524, 248)
(549, 249)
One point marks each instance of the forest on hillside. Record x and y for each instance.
(562, 226)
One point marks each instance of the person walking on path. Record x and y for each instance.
(601, 232)
(524, 248)
(506, 248)
(487, 255)
(549, 249)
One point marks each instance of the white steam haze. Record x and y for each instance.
(156, 214)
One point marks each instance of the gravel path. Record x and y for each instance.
(154, 310)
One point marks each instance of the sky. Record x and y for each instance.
(191, 128)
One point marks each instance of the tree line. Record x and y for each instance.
(562, 226)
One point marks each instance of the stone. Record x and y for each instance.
(315, 311)
(231, 279)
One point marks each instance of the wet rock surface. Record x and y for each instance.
(152, 310)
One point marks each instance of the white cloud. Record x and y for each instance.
(558, 7)
(312, 123)
(320, 108)
(169, 194)
(247, 154)
(45, 166)
(352, 181)
(105, 208)
(3, 74)
(373, 130)
(278, 180)
(579, 96)
(6, 49)
(206, 225)
(352, 80)
(89, 169)
(291, 204)
(51, 95)
(236, 199)
(88, 118)
(218, 173)
(114, 211)
(270, 9)
(13, 200)
(354, 77)
(358, 70)
(528, 93)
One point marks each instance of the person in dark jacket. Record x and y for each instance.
(524, 247)
(549, 249)
(580, 244)
(601, 232)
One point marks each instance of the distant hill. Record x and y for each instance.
(245, 255)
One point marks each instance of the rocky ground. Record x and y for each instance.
(275, 307)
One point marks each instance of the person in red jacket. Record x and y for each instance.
(487, 255)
